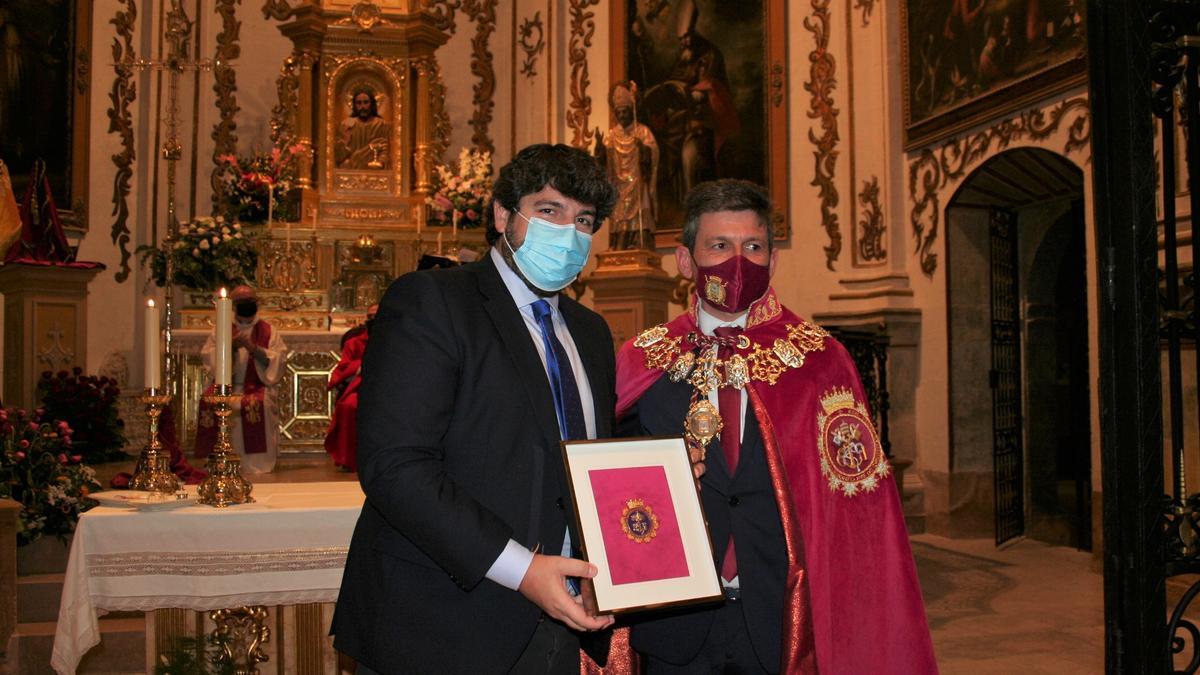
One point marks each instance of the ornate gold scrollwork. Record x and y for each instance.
(242, 632)
(820, 85)
(583, 27)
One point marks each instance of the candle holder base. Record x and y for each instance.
(224, 485)
(153, 470)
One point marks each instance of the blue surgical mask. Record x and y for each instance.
(552, 255)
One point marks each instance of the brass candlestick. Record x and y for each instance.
(153, 470)
(225, 484)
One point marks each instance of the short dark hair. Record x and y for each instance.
(569, 170)
(727, 194)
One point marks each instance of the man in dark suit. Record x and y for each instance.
(807, 531)
(460, 559)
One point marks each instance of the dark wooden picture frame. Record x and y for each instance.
(968, 61)
(749, 38)
(52, 85)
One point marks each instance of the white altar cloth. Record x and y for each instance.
(289, 547)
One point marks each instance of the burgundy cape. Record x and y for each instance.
(341, 441)
(254, 427)
(852, 599)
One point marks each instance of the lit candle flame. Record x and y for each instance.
(150, 302)
(223, 294)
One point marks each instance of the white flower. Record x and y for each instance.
(237, 226)
(220, 219)
(196, 252)
(204, 244)
(201, 230)
(226, 237)
(216, 239)
(238, 235)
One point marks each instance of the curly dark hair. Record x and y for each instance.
(569, 170)
(727, 194)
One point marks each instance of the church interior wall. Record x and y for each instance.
(858, 37)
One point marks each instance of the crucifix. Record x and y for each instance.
(178, 30)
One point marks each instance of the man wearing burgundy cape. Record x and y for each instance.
(803, 511)
(259, 355)
(341, 441)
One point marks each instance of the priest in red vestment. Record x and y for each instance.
(341, 441)
(259, 356)
(804, 514)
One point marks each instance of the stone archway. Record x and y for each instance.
(1018, 369)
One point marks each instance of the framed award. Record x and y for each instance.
(638, 511)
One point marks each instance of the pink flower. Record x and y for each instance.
(62, 458)
(19, 455)
(77, 458)
(33, 426)
(24, 443)
(471, 215)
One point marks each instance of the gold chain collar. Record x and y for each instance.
(704, 371)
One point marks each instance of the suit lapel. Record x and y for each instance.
(587, 345)
(514, 334)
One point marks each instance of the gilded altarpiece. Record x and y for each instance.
(362, 95)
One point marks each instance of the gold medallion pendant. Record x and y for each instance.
(638, 521)
(702, 423)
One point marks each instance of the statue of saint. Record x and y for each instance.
(364, 139)
(629, 154)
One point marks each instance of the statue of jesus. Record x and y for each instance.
(363, 143)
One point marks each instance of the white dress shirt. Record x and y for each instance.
(510, 567)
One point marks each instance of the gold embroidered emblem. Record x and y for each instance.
(788, 353)
(705, 378)
(650, 336)
(661, 354)
(852, 460)
(682, 367)
(638, 521)
(702, 423)
(252, 410)
(714, 290)
(737, 373)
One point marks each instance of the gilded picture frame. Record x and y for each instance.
(970, 61)
(45, 84)
(736, 111)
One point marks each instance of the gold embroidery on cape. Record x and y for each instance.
(764, 310)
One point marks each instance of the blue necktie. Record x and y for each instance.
(562, 379)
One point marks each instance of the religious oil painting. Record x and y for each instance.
(702, 71)
(969, 61)
(36, 99)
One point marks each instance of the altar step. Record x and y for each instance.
(122, 647)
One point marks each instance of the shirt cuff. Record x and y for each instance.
(510, 567)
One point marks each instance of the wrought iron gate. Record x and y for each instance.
(1005, 378)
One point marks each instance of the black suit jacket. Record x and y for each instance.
(743, 504)
(458, 452)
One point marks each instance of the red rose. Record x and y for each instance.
(77, 458)
(62, 458)
(20, 455)
(23, 443)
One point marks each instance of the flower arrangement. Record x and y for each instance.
(88, 404)
(462, 196)
(249, 182)
(40, 469)
(209, 253)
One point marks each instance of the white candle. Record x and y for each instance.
(454, 226)
(153, 355)
(439, 251)
(224, 363)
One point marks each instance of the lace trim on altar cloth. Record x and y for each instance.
(214, 563)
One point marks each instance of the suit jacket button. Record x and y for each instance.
(559, 503)
(734, 501)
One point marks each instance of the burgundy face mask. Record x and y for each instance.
(733, 285)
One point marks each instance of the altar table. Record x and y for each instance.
(287, 548)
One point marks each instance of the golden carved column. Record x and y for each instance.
(45, 324)
(631, 291)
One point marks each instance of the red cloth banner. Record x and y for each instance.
(638, 523)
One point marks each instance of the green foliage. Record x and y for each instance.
(193, 656)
